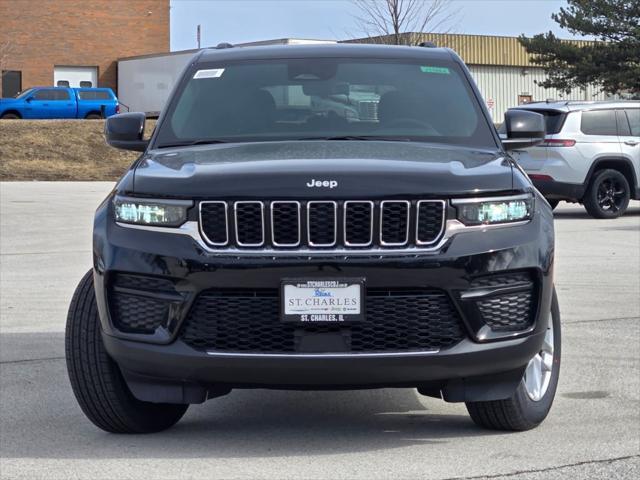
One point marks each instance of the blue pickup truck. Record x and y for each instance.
(59, 102)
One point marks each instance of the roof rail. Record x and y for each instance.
(428, 45)
(222, 45)
(578, 102)
(548, 100)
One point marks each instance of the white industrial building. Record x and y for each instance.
(499, 65)
(145, 81)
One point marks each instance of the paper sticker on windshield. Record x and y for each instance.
(440, 70)
(211, 73)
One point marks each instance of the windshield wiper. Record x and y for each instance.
(329, 137)
(191, 143)
(378, 138)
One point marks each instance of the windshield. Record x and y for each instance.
(319, 98)
(23, 94)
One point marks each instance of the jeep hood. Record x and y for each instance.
(362, 169)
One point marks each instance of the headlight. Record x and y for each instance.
(496, 210)
(165, 213)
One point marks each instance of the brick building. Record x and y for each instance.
(66, 42)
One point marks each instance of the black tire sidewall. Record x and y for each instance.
(591, 200)
(10, 116)
(97, 382)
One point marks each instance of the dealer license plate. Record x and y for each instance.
(326, 300)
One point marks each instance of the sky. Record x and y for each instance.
(238, 21)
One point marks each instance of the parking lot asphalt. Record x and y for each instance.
(593, 430)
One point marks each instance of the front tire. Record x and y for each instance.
(96, 380)
(608, 195)
(532, 400)
(10, 116)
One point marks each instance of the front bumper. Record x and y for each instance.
(162, 367)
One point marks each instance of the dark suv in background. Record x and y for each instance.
(317, 218)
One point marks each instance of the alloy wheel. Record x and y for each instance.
(537, 375)
(610, 194)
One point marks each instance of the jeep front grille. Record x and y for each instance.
(322, 224)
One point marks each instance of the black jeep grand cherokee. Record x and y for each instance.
(319, 217)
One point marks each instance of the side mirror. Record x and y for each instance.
(524, 129)
(126, 131)
(29, 100)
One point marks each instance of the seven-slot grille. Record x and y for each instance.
(318, 224)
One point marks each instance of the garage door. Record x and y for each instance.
(75, 76)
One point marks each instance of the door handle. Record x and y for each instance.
(631, 142)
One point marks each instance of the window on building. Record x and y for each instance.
(86, 84)
(11, 83)
(62, 83)
(599, 122)
(94, 95)
(524, 99)
(51, 94)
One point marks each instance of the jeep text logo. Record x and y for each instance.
(322, 183)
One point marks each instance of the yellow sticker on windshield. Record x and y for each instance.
(440, 70)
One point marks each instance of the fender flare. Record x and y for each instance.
(595, 166)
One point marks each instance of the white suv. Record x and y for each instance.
(591, 154)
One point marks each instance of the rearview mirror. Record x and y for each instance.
(524, 129)
(341, 88)
(126, 131)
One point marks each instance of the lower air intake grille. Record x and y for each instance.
(508, 312)
(249, 321)
(134, 314)
(132, 306)
(503, 280)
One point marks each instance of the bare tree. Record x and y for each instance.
(397, 21)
